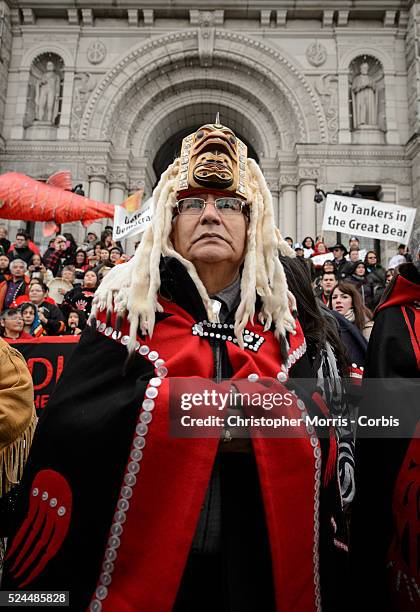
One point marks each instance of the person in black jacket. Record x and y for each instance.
(385, 524)
(358, 276)
(139, 517)
(21, 249)
(49, 314)
(4, 242)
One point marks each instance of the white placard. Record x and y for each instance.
(360, 217)
(319, 260)
(127, 224)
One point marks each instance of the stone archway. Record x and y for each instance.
(162, 87)
(162, 63)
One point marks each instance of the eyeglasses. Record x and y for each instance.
(196, 206)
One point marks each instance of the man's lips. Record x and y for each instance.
(209, 235)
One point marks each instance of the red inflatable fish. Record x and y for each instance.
(26, 199)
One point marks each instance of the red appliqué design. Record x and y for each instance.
(44, 528)
(404, 553)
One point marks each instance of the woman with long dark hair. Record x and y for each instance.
(308, 247)
(346, 300)
(31, 322)
(329, 361)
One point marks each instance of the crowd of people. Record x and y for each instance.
(51, 294)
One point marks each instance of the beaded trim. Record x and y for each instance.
(410, 583)
(133, 466)
(139, 442)
(224, 331)
(317, 489)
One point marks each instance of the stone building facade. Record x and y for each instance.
(325, 94)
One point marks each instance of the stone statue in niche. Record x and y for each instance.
(364, 99)
(47, 95)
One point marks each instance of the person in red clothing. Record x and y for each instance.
(245, 524)
(14, 286)
(11, 325)
(60, 257)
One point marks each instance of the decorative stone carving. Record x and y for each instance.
(316, 54)
(96, 52)
(97, 169)
(84, 84)
(118, 177)
(206, 33)
(289, 179)
(135, 184)
(327, 87)
(266, 60)
(308, 173)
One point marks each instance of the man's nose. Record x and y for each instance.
(210, 214)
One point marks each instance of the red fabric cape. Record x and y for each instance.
(155, 535)
(403, 292)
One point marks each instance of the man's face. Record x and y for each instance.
(18, 269)
(338, 253)
(4, 262)
(20, 242)
(328, 282)
(354, 256)
(2, 232)
(212, 236)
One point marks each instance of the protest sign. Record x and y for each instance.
(128, 223)
(319, 260)
(368, 218)
(46, 358)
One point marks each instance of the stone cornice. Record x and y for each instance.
(352, 152)
(17, 147)
(308, 5)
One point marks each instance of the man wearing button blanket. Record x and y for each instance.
(152, 522)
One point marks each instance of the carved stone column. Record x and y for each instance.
(117, 187)
(97, 178)
(308, 210)
(289, 209)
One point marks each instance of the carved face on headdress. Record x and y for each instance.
(213, 158)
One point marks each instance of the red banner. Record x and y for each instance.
(46, 358)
